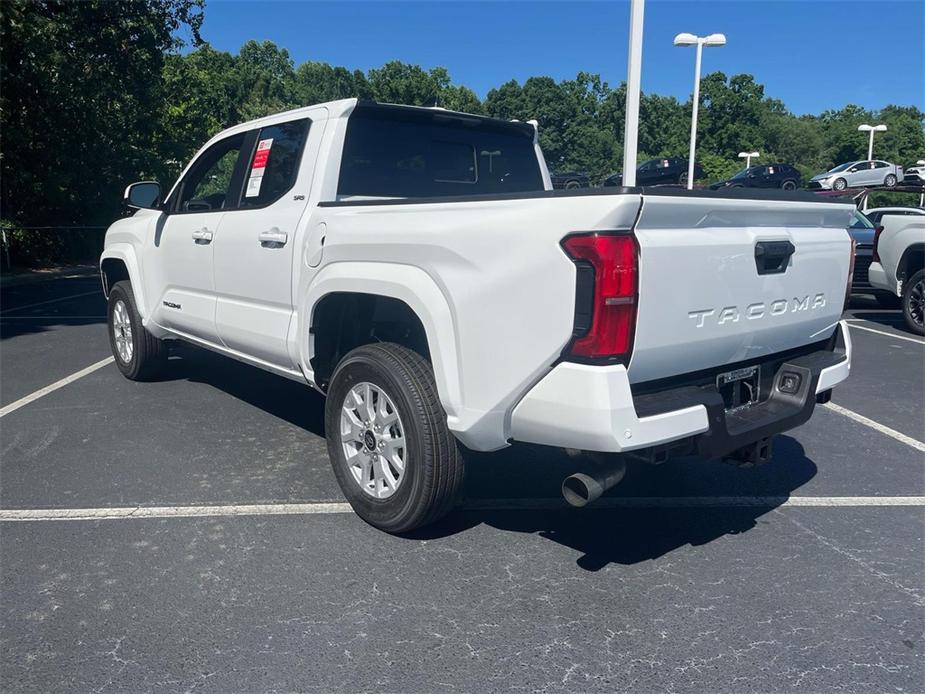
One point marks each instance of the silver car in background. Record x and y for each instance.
(859, 174)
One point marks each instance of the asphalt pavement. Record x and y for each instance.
(212, 550)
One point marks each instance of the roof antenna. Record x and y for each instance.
(432, 102)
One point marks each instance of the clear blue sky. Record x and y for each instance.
(812, 54)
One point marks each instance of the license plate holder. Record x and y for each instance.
(739, 388)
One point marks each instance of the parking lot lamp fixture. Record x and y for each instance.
(686, 39)
(747, 156)
(871, 129)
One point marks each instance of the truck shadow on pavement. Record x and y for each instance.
(628, 535)
(525, 472)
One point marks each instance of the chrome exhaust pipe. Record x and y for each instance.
(581, 489)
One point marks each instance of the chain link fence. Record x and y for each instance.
(45, 246)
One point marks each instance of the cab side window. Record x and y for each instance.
(274, 164)
(209, 184)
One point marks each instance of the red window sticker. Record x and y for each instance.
(262, 154)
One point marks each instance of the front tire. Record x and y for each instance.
(572, 185)
(394, 457)
(913, 299)
(840, 184)
(139, 355)
(788, 185)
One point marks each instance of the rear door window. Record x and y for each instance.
(274, 163)
(399, 153)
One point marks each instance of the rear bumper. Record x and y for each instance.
(593, 408)
(877, 278)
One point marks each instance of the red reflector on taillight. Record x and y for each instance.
(876, 256)
(614, 259)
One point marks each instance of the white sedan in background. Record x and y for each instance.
(859, 174)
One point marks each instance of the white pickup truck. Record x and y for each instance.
(898, 261)
(416, 267)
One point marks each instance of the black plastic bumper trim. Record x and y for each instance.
(731, 430)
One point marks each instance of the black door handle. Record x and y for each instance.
(773, 257)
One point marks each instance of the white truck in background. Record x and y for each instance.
(898, 262)
(414, 265)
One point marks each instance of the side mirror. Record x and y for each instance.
(145, 195)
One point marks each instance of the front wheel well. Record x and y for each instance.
(113, 270)
(343, 321)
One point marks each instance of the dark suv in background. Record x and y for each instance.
(658, 171)
(781, 176)
(569, 180)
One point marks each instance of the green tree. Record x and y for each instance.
(316, 82)
(81, 82)
(400, 83)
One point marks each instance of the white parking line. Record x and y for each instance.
(329, 507)
(2, 318)
(13, 406)
(51, 301)
(876, 426)
(882, 332)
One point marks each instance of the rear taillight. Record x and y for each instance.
(876, 256)
(850, 275)
(605, 311)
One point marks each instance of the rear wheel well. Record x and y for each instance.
(113, 270)
(912, 261)
(343, 321)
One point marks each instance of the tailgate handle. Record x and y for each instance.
(772, 257)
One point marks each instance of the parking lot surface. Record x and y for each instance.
(212, 550)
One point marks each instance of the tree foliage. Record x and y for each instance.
(81, 82)
(101, 92)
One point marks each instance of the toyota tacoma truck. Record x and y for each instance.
(415, 266)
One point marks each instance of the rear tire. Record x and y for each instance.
(139, 355)
(890, 180)
(572, 185)
(788, 185)
(426, 480)
(914, 302)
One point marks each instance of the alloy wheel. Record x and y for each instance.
(122, 332)
(917, 302)
(373, 440)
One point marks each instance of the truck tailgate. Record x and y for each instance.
(726, 280)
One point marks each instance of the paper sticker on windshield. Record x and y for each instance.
(262, 154)
(253, 186)
(258, 167)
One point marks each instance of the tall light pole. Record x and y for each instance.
(699, 41)
(633, 79)
(871, 129)
(747, 156)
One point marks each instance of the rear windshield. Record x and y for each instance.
(409, 153)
